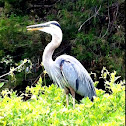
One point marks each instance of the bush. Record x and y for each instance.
(100, 42)
(95, 45)
(14, 6)
(47, 106)
(12, 33)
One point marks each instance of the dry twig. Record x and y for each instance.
(11, 71)
(96, 13)
(36, 80)
(108, 24)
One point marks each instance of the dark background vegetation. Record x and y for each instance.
(99, 42)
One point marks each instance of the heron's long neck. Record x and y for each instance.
(48, 52)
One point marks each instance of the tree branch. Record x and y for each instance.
(96, 13)
(14, 69)
(108, 24)
(41, 75)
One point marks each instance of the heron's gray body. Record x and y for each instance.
(68, 71)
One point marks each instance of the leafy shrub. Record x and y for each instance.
(95, 45)
(47, 106)
(95, 42)
(14, 6)
(12, 33)
(16, 43)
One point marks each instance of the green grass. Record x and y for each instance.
(47, 106)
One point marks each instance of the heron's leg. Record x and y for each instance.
(67, 96)
(73, 95)
(67, 99)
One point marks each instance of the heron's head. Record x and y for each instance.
(51, 27)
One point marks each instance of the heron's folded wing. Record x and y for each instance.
(77, 78)
(69, 73)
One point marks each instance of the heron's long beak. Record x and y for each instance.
(36, 27)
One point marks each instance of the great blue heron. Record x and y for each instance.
(66, 71)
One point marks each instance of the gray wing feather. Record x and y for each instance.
(69, 73)
(78, 78)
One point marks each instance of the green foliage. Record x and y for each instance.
(95, 45)
(14, 6)
(15, 40)
(12, 33)
(89, 44)
(105, 74)
(1, 84)
(17, 74)
(95, 41)
(47, 106)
